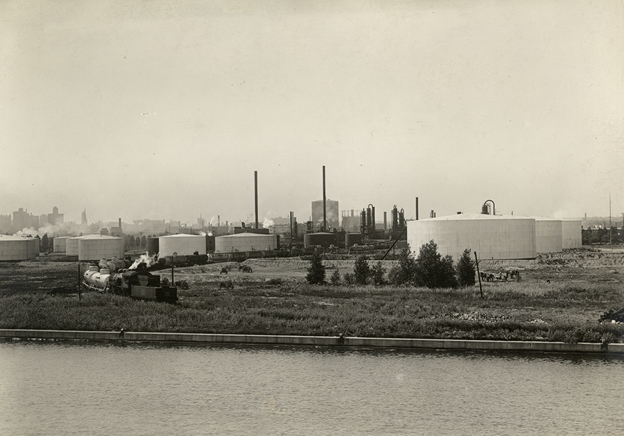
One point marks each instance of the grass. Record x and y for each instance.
(511, 312)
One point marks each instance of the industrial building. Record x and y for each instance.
(332, 212)
(182, 245)
(491, 236)
(15, 248)
(244, 242)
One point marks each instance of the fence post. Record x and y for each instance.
(478, 274)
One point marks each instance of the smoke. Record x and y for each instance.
(50, 229)
(146, 259)
(205, 233)
(267, 223)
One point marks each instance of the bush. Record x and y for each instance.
(349, 279)
(361, 270)
(377, 272)
(433, 270)
(335, 278)
(466, 269)
(405, 272)
(316, 270)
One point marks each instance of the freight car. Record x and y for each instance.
(135, 283)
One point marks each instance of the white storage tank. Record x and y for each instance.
(96, 247)
(245, 242)
(14, 248)
(547, 235)
(183, 245)
(60, 244)
(491, 236)
(571, 233)
(71, 246)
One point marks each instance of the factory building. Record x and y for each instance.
(15, 248)
(491, 236)
(332, 212)
(244, 242)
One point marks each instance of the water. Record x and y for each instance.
(70, 389)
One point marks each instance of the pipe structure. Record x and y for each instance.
(416, 208)
(256, 195)
(324, 203)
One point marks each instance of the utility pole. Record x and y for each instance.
(610, 225)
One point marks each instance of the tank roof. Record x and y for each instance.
(475, 216)
(15, 238)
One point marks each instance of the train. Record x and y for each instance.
(134, 281)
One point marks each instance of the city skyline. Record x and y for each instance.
(160, 111)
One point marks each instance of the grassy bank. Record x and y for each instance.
(510, 311)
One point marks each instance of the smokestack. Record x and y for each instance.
(385, 221)
(256, 195)
(120, 225)
(291, 223)
(324, 201)
(416, 208)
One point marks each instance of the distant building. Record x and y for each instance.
(23, 220)
(351, 221)
(5, 223)
(83, 218)
(332, 213)
(55, 217)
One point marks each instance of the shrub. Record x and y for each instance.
(433, 270)
(335, 278)
(316, 270)
(405, 272)
(361, 270)
(377, 272)
(466, 269)
(349, 279)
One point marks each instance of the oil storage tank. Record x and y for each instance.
(96, 247)
(571, 233)
(152, 246)
(547, 235)
(15, 248)
(323, 239)
(60, 244)
(491, 236)
(246, 242)
(183, 245)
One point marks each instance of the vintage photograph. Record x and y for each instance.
(332, 217)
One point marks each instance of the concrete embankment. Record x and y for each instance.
(209, 338)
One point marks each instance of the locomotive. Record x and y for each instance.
(136, 283)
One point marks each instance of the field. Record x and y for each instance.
(560, 297)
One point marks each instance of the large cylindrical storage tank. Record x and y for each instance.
(96, 247)
(547, 235)
(324, 239)
(60, 244)
(152, 246)
(14, 248)
(71, 246)
(244, 242)
(571, 233)
(352, 239)
(182, 245)
(491, 236)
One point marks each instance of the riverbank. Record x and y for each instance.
(207, 339)
(559, 299)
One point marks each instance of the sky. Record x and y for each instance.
(164, 109)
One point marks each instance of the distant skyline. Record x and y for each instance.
(164, 110)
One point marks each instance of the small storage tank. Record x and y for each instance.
(353, 239)
(491, 236)
(323, 239)
(571, 233)
(96, 247)
(246, 242)
(60, 244)
(547, 235)
(183, 245)
(152, 246)
(14, 248)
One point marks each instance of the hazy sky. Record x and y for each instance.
(164, 109)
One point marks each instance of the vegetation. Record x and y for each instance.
(433, 270)
(361, 270)
(466, 269)
(316, 270)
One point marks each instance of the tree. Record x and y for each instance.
(361, 270)
(405, 272)
(316, 270)
(466, 269)
(377, 272)
(433, 270)
(335, 277)
(45, 243)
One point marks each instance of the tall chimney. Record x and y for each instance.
(256, 195)
(416, 208)
(120, 225)
(385, 221)
(324, 201)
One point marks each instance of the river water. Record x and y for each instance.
(140, 389)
